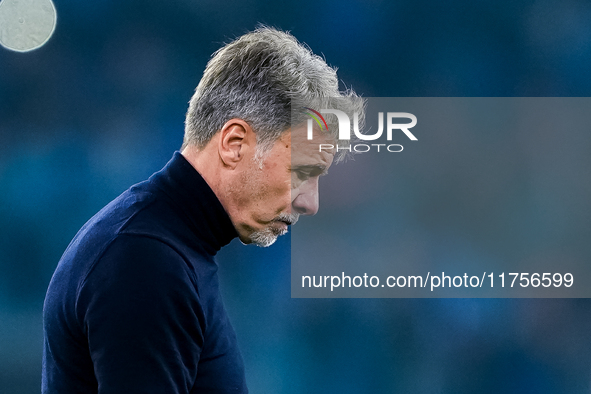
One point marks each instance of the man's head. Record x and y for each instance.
(242, 136)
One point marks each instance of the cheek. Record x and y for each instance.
(295, 186)
(264, 190)
(268, 193)
(248, 188)
(278, 192)
(295, 181)
(281, 190)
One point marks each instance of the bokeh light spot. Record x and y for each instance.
(26, 25)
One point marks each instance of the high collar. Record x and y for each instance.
(204, 212)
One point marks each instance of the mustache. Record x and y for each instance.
(289, 218)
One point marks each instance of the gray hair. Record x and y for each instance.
(259, 78)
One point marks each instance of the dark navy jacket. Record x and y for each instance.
(134, 304)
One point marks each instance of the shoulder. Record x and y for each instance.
(136, 273)
(138, 258)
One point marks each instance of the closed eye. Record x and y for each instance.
(310, 171)
(303, 175)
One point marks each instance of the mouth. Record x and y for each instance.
(287, 219)
(283, 225)
(278, 228)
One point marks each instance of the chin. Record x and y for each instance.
(263, 238)
(267, 236)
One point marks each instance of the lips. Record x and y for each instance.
(278, 228)
(283, 224)
(288, 218)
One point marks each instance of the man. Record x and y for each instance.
(134, 304)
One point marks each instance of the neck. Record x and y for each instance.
(207, 163)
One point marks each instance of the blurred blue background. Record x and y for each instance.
(101, 107)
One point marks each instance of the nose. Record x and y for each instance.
(306, 200)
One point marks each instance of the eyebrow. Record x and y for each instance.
(322, 170)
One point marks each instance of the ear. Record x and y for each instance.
(237, 141)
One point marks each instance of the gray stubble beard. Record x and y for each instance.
(267, 236)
